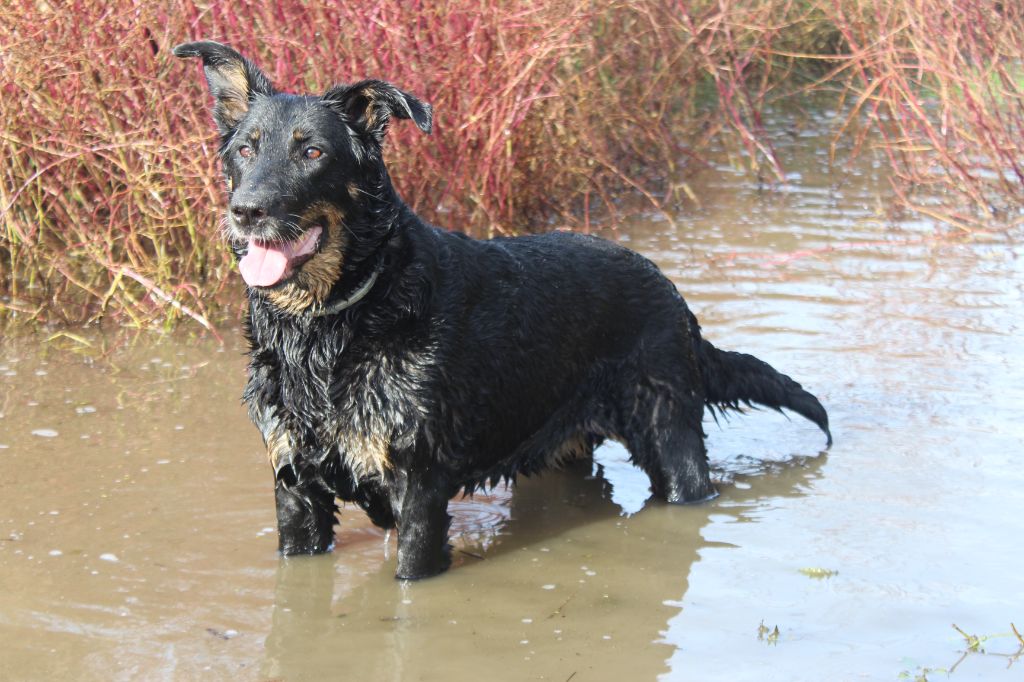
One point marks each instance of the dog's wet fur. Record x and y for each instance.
(397, 364)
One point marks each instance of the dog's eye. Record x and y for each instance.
(313, 153)
(245, 151)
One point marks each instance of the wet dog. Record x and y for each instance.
(394, 364)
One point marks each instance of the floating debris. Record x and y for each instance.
(819, 573)
(222, 634)
(770, 636)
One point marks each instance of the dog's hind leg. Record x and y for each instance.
(665, 439)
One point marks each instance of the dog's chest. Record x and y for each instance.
(347, 402)
(377, 406)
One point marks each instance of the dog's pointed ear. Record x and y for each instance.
(234, 81)
(371, 104)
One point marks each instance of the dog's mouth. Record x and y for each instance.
(268, 263)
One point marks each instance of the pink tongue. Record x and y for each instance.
(267, 263)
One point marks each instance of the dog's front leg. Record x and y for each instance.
(423, 523)
(305, 507)
(305, 518)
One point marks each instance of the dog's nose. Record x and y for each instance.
(248, 214)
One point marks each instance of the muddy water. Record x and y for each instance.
(136, 510)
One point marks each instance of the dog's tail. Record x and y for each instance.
(733, 378)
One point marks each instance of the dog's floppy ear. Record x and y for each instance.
(370, 104)
(232, 78)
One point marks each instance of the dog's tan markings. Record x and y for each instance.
(371, 108)
(279, 443)
(367, 455)
(353, 190)
(312, 283)
(234, 98)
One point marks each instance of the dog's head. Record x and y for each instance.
(302, 172)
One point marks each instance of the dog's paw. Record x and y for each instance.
(423, 567)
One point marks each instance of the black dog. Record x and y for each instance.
(394, 364)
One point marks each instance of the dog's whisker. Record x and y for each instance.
(360, 190)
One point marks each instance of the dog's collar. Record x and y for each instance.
(350, 300)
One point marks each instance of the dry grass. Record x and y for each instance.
(942, 81)
(547, 114)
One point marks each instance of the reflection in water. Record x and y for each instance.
(566, 586)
